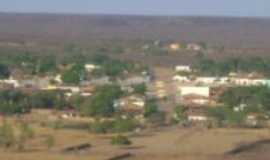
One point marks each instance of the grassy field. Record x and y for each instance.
(167, 143)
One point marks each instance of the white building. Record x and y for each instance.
(207, 80)
(11, 81)
(193, 47)
(90, 67)
(181, 78)
(197, 118)
(195, 90)
(183, 68)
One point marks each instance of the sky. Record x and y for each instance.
(239, 8)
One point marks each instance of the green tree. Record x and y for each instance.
(73, 75)
(179, 113)
(123, 125)
(13, 102)
(101, 103)
(140, 89)
(46, 64)
(48, 99)
(4, 71)
(150, 108)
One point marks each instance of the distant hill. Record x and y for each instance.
(231, 32)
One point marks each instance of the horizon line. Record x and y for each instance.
(136, 15)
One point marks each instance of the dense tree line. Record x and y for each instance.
(239, 102)
(224, 67)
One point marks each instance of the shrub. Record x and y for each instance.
(101, 127)
(49, 141)
(120, 140)
(7, 137)
(124, 125)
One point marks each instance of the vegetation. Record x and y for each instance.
(123, 125)
(140, 89)
(4, 71)
(101, 103)
(7, 135)
(253, 98)
(150, 108)
(120, 140)
(73, 75)
(179, 113)
(13, 102)
(26, 133)
(48, 99)
(49, 141)
(101, 127)
(226, 116)
(223, 68)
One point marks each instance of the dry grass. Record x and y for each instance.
(168, 143)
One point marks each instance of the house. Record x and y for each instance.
(130, 104)
(71, 89)
(197, 118)
(181, 78)
(134, 80)
(58, 79)
(174, 46)
(195, 90)
(223, 80)
(100, 81)
(183, 68)
(90, 67)
(194, 100)
(193, 47)
(11, 82)
(207, 80)
(243, 81)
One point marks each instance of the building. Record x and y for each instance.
(175, 46)
(183, 68)
(90, 67)
(195, 90)
(207, 80)
(194, 100)
(11, 82)
(133, 104)
(134, 80)
(194, 47)
(197, 118)
(182, 79)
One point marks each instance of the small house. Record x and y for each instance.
(90, 67)
(195, 90)
(183, 68)
(193, 47)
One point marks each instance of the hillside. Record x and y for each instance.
(231, 32)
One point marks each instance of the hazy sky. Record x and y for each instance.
(152, 7)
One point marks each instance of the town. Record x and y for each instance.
(114, 93)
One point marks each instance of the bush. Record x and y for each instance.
(7, 136)
(13, 102)
(26, 133)
(150, 108)
(123, 125)
(140, 89)
(120, 140)
(49, 141)
(178, 114)
(101, 127)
